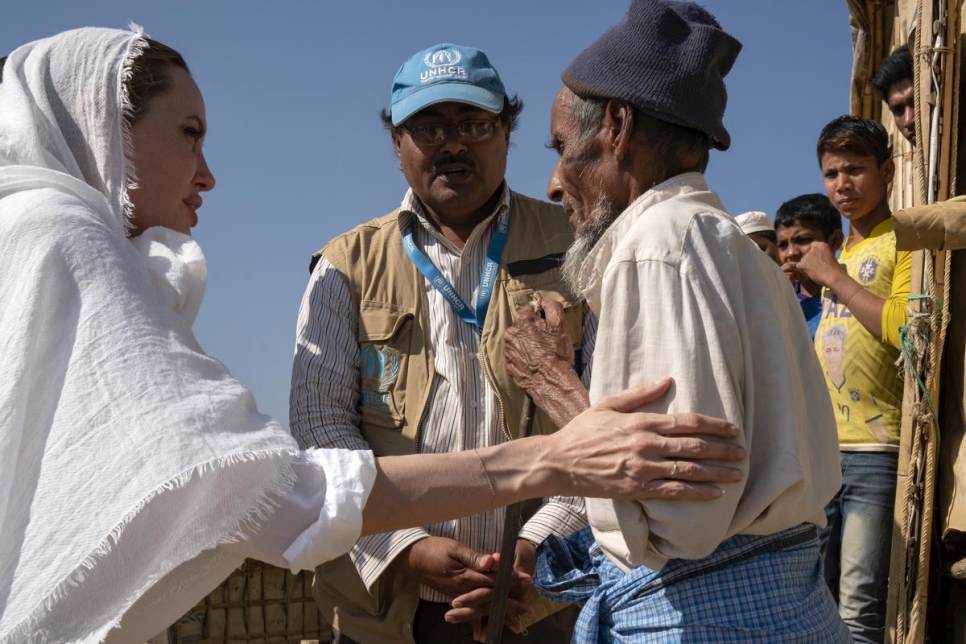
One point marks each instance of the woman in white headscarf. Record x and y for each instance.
(135, 472)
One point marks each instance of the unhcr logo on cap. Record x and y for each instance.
(445, 72)
(443, 57)
(442, 64)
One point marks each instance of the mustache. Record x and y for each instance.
(451, 159)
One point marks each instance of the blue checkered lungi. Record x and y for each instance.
(751, 589)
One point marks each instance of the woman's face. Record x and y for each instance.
(167, 157)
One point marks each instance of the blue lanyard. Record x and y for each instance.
(441, 284)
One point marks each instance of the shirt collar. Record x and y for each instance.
(884, 227)
(592, 270)
(412, 207)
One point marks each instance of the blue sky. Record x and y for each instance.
(293, 92)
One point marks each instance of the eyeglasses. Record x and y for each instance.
(433, 134)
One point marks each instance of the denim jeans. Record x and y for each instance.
(858, 541)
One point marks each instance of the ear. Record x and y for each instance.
(397, 142)
(835, 240)
(619, 124)
(888, 169)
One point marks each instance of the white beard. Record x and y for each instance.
(601, 216)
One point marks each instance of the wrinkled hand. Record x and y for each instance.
(609, 452)
(535, 346)
(474, 606)
(539, 356)
(818, 264)
(446, 565)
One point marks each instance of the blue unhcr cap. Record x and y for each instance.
(446, 72)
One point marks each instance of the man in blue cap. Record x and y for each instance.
(400, 350)
(680, 290)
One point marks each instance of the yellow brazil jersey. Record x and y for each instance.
(859, 368)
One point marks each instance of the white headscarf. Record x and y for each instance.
(126, 454)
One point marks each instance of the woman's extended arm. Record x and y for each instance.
(607, 452)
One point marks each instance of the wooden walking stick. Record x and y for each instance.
(511, 530)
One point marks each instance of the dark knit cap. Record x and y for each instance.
(668, 59)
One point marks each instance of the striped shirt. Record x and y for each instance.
(463, 410)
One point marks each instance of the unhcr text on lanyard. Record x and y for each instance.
(441, 284)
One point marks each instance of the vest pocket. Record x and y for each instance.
(385, 332)
(548, 286)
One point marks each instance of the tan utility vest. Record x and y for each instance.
(397, 374)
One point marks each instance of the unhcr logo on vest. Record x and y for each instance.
(380, 368)
(442, 64)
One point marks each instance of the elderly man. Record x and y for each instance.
(679, 289)
(400, 350)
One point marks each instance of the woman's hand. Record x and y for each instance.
(610, 452)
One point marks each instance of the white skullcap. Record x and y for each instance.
(754, 222)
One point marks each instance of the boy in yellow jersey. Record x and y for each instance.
(864, 299)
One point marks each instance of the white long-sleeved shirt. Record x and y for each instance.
(463, 410)
(680, 291)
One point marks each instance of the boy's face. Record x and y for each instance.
(857, 185)
(766, 245)
(902, 103)
(795, 238)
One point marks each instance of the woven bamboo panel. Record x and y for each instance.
(257, 604)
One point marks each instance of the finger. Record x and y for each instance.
(690, 424)
(520, 586)
(473, 560)
(634, 397)
(520, 578)
(514, 624)
(468, 580)
(694, 423)
(679, 491)
(524, 317)
(479, 630)
(679, 448)
(478, 597)
(700, 472)
(553, 313)
(516, 575)
(465, 614)
(463, 611)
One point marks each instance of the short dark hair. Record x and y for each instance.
(813, 209)
(512, 106)
(681, 149)
(894, 68)
(854, 135)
